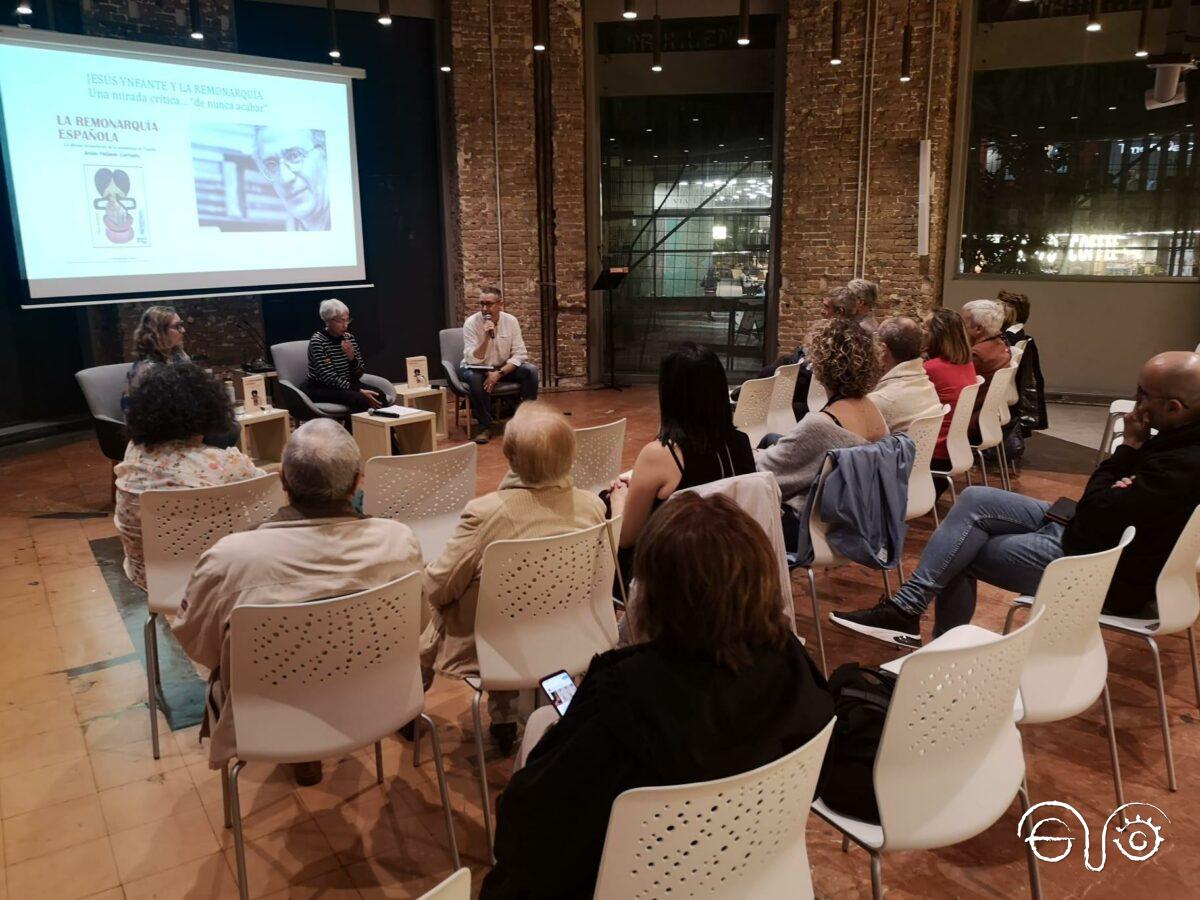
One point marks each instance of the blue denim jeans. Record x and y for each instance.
(525, 376)
(990, 534)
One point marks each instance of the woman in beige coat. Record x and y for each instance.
(535, 499)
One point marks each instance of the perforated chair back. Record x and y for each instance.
(994, 412)
(781, 418)
(750, 414)
(818, 531)
(1178, 601)
(425, 491)
(316, 680)
(949, 762)
(1015, 353)
(958, 443)
(728, 839)
(921, 492)
(178, 525)
(817, 395)
(598, 456)
(103, 387)
(545, 604)
(1067, 664)
(456, 887)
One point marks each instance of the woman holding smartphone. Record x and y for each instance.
(716, 685)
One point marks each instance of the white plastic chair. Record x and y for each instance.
(1117, 410)
(727, 839)
(1015, 353)
(598, 456)
(456, 887)
(781, 418)
(949, 761)
(425, 491)
(817, 395)
(750, 414)
(958, 443)
(1178, 607)
(178, 525)
(310, 681)
(1067, 668)
(992, 415)
(921, 493)
(545, 604)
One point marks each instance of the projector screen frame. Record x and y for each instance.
(214, 59)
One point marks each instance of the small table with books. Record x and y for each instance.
(414, 430)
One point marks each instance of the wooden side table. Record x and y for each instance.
(264, 435)
(428, 398)
(415, 433)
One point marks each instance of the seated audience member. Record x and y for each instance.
(535, 499)
(866, 297)
(696, 442)
(839, 304)
(984, 320)
(492, 337)
(171, 408)
(905, 392)
(315, 548)
(845, 362)
(335, 363)
(158, 341)
(1152, 483)
(949, 367)
(1030, 408)
(716, 685)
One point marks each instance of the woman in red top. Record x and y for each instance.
(948, 365)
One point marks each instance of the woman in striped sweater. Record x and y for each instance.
(335, 363)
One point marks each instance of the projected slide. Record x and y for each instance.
(130, 175)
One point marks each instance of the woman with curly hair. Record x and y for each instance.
(171, 408)
(845, 362)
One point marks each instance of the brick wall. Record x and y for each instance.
(213, 336)
(820, 156)
(477, 151)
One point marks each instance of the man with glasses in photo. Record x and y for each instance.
(1152, 482)
(494, 351)
(294, 161)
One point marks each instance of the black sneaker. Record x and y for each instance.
(483, 436)
(307, 774)
(884, 621)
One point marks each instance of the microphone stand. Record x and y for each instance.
(260, 364)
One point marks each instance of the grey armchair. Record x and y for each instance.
(103, 387)
(451, 342)
(291, 366)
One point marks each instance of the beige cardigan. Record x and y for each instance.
(515, 510)
(290, 559)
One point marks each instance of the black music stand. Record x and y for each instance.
(610, 278)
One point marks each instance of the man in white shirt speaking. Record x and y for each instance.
(494, 351)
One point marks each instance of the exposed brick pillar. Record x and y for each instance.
(214, 336)
(478, 149)
(820, 157)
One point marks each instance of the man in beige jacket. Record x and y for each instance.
(535, 499)
(315, 548)
(904, 393)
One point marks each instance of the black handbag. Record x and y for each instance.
(861, 696)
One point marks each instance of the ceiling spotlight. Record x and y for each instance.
(630, 9)
(835, 46)
(906, 54)
(1093, 20)
(1112, 109)
(649, 130)
(744, 23)
(193, 19)
(334, 52)
(539, 47)
(1074, 118)
(444, 68)
(1143, 45)
(385, 12)
(541, 29)
(656, 60)
(24, 9)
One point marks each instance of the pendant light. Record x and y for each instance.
(1093, 19)
(630, 9)
(334, 53)
(540, 40)
(744, 23)
(385, 12)
(1143, 43)
(835, 49)
(656, 60)
(193, 19)
(906, 47)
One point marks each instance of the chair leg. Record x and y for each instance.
(417, 742)
(1195, 668)
(1012, 611)
(379, 762)
(1112, 746)
(876, 876)
(845, 843)
(812, 590)
(937, 520)
(442, 788)
(483, 782)
(225, 795)
(982, 468)
(1162, 712)
(1002, 455)
(953, 491)
(900, 570)
(887, 582)
(239, 843)
(150, 637)
(1035, 881)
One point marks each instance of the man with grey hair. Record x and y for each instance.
(315, 548)
(989, 352)
(838, 304)
(865, 295)
(904, 393)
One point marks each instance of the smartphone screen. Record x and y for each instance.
(560, 689)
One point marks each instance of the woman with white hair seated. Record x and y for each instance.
(335, 363)
(536, 499)
(984, 320)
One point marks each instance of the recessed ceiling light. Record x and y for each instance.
(1073, 118)
(1112, 109)
(720, 145)
(648, 130)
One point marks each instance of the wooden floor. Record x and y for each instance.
(86, 812)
